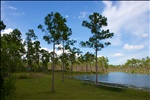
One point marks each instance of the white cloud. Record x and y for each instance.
(131, 16)
(8, 10)
(117, 54)
(144, 35)
(67, 16)
(99, 55)
(123, 59)
(58, 45)
(58, 52)
(83, 15)
(49, 50)
(6, 31)
(12, 8)
(133, 47)
(18, 13)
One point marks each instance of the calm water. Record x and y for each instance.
(131, 80)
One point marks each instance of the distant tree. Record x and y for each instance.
(45, 58)
(66, 46)
(134, 64)
(37, 52)
(54, 24)
(64, 58)
(96, 41)
(2, 25)
(74, 52)
(81, 60)
(65, 41)
(57, 59)
(103, 63)
(146, 62)
(89, 57)
(30, 47)
(65, 36)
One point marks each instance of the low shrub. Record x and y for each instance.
(8, 87)
(22, 76)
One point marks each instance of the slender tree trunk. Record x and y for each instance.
(82, 67)
(28, 65)
(90, 66)
(77, 67)
(103, 66)
(53, 67)
(86, 67)
(96, 67)
(63, 64)
(71, 67)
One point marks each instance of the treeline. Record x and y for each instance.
(133, 66)
(19, 56)
(25, 56)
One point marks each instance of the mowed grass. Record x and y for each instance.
(38, 87)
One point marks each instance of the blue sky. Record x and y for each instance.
(128, 20)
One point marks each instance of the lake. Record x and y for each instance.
(141, 81)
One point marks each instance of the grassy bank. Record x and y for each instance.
(38, 87)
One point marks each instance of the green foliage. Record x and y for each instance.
(74, 52)
(54, 24)
(2, 25)
(22, 76)
(33, 50)
(95, 25)
(89, 57)
(137, 65)
(133, 66)
(45, 58)
(12, 50)
(103, 61)
(144, 62)
(30, 35)
(8, 87)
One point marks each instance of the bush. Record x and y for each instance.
(22, 76)
(8, 87)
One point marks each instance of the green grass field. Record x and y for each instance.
(38, 87)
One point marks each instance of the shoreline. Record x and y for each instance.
(110, 84)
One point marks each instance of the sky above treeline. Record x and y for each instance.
(128, 20)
